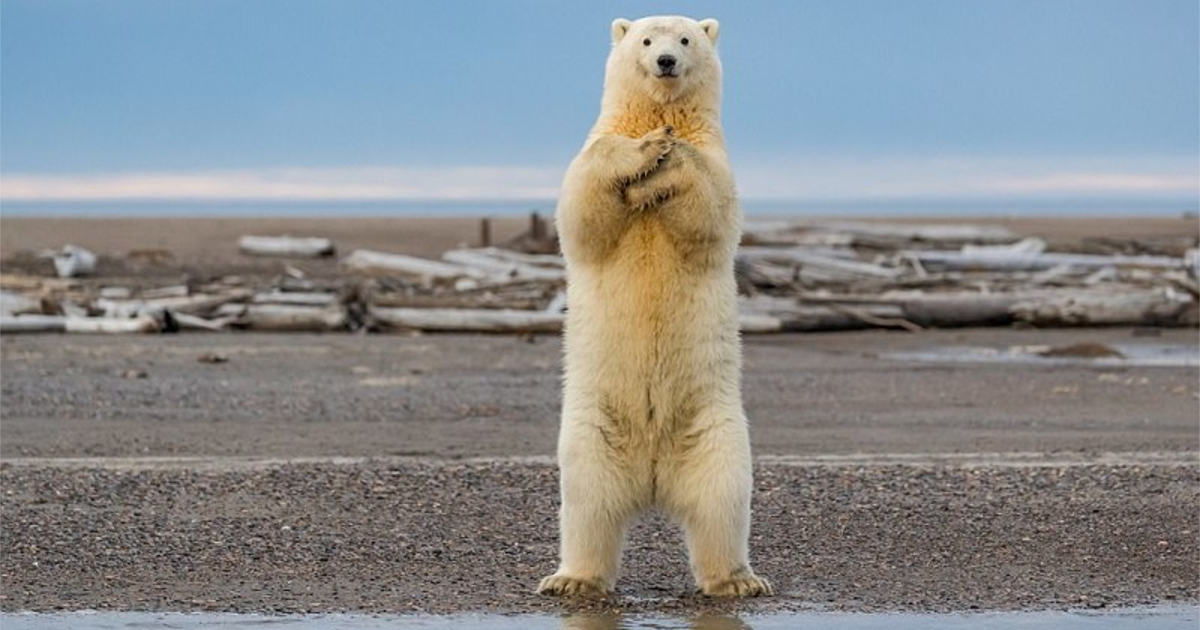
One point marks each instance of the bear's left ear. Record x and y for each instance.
(620, 26)
(710, 27)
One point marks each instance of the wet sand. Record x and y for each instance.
(390, 473)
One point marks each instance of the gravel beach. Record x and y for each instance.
(948, 470)
(385, 473)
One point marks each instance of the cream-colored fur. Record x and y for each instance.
(652, 409)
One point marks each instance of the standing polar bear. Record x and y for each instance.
(652, 410)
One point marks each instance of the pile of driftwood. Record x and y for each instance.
(792, 277)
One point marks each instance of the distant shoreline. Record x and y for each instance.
(213, 239)
(881, 208)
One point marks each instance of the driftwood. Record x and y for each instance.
(10, 324)
(845, 233)
(74, 261)
(502, 267)
(12, 303)
(113, 325)
(828, 264)
(189, 304)
(284, 317)
(1029, 255)
(1150, 307)
(425, 271)
(290, 246)
(472, 320)
(814, 276)
(296, 298)
(192, 322)
(795, 317)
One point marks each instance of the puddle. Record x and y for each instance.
(1151, 618)
(1114, 355)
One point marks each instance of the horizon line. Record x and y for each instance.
(811, 179)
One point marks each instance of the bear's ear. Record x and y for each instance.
(620, 26)
(710, 27)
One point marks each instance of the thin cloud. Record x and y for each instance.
(856, 178)
(338, 184)
(817, 178)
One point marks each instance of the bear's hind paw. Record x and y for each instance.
(741, 584)
(563, 585)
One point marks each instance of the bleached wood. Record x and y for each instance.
(113, 325)
(10, 324)
(468, 319)
(285, 317)
(367, 261)
(502, 268)
(297, 298)
(288, 246)
(12, 303)
(1162, 306)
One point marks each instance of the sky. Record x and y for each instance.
(391, 100)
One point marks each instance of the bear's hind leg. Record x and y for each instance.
(599, 499)
(708, 492)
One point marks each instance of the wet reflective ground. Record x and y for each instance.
(1152, 618)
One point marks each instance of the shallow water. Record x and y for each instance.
(1151, 618)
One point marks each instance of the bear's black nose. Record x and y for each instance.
(666, 63)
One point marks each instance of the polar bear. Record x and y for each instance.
(652, 412)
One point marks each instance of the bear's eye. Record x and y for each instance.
(684, 41)
(646, 42)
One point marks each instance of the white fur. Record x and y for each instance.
(652, 409)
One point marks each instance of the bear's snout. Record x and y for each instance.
(666, 65)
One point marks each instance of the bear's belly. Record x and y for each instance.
(651, 339)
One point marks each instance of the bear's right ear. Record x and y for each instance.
(620, 26)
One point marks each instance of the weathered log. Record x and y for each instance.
(1026, 256)
(793, 316)
(173, 291)
(1156, 307)
(826, 263)
(190, 304)
(874, 234)
(934, 233)
(468, 319)
(426, 271)
(114, 325)
(193, 322)
(499, 268)
(758, 324)
(454, 300)
(296, 298)
(19, 304)
(285, 317)
(116, 293)
(289, 246)
(10, 324)
(74, 261)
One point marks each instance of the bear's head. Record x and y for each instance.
(664, 57)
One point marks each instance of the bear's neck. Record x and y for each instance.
(696, 120)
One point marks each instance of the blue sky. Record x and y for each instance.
(393, 100)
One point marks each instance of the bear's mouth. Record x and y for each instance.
(673, 73)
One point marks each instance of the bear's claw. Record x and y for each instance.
(569, 586)
(743, 584)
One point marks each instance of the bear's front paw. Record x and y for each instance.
(563, 585)
(740, 584)
(643, 196)
(653, 149)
